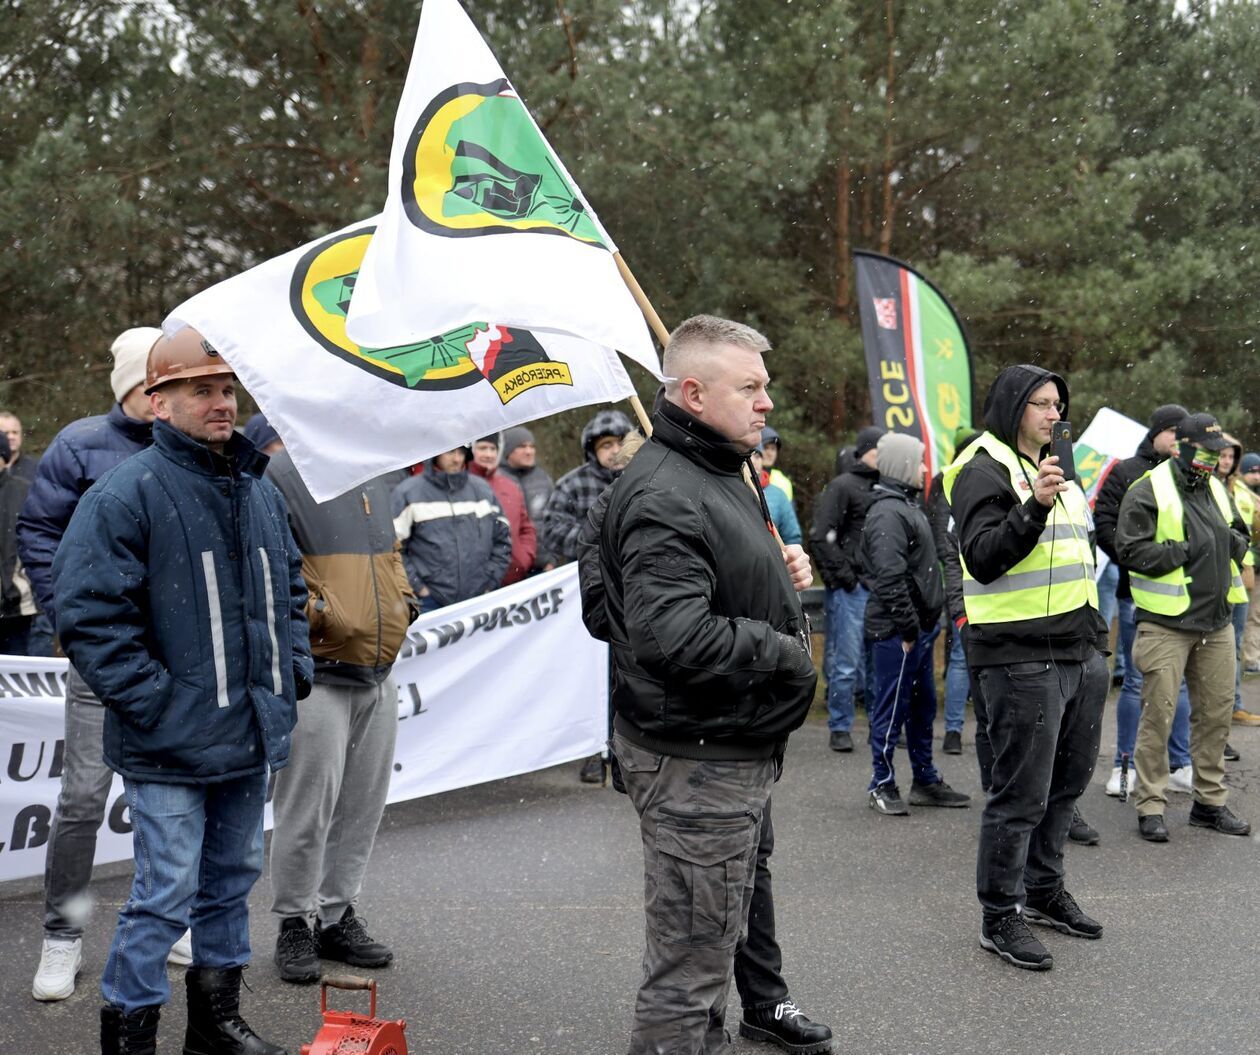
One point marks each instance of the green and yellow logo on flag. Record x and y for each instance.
(476, 164)
(511, 360)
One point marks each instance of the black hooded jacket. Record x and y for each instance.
(839, 514)
(692, 593)
(1124, 474)
(900, 565)
(997, 528)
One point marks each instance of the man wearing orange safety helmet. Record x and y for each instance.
(180, 599)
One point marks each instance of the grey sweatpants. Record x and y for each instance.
(329, 799)
(700, 826)
(81, 805)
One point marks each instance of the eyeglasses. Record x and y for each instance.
(1045, 405)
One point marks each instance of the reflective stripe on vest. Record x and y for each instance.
(1169, 594)
(1056, 577)
(1246, 503)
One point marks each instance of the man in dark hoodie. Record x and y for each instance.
(1034, 644)
(1160, 442)
(1181, 538)
(839, 514)
(898, 559)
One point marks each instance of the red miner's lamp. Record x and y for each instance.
(345, 1033)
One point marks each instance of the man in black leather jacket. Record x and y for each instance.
(710, 671)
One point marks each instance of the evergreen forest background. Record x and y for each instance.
(1077, 175)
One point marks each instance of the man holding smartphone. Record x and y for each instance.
(1034, 646)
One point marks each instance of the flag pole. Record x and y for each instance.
(653, 320)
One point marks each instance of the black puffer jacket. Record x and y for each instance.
(900, 565)
(695, 596)
(839, 515)
(1107, 505)
(998, 528)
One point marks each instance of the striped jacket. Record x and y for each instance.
(456, 540)
(180, 601)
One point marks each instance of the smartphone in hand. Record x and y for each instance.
(1061, 448)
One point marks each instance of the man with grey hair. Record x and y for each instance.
(712, 672)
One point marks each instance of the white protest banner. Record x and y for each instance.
(482, 220)
(282, 327)
(503, 684)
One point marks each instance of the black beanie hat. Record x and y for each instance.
(867, 440)
(1169, 416)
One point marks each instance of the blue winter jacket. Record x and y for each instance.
(79, 455)
(180, 600)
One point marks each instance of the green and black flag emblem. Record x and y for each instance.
(476, 164)
(512, 360)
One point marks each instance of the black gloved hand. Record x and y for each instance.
(794, 659)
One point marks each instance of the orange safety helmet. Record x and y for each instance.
(187, 354)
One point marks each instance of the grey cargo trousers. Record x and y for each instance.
(700, 824)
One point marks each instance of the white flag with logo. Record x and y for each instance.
(482, 215)
(348, 413)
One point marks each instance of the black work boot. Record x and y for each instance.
(348, 941)
(1218, 817)
(786, 1025)
(129, 1034)
(592, 771)
(215, 1026)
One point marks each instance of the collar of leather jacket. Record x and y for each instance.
(678, 430)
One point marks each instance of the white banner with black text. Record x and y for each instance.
(503, 684)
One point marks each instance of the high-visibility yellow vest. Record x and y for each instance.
(781, 481)
(1245, 500)
(1169, 594)
(1056, 577)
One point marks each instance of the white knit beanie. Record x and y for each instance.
(131, 357)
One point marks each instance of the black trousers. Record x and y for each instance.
(1044, 723)
(759, 960)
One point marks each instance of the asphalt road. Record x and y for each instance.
(515, 911)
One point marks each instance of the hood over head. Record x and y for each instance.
(899, 457)
(1008, 395)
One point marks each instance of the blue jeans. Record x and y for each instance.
(1129, 702)
(1108, 582)
(199, 851)
(905, 694)
(957, 683)
(1240, 625)
(844, 660)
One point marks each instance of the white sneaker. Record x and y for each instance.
(59, 963)
(1182, 780)
(181, 952)
(1113, 785)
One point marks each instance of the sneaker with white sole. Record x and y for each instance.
(59, 964)
(1113, 785)
(181, 952)
(1182, 780)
